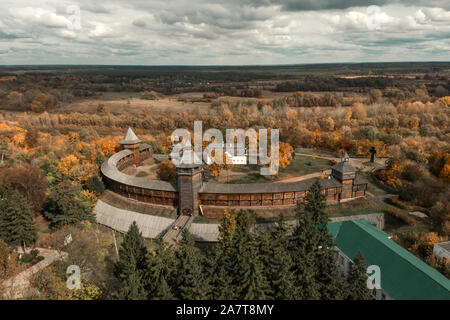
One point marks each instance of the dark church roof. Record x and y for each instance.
(360, 180)
(343, 167)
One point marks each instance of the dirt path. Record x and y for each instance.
(304, 177)
(358, 163)
(17, 286)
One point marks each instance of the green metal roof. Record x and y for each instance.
(403, 275)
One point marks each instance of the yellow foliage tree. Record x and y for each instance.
(227, 227)
(445, 101)
(285, 154)
(67, 164)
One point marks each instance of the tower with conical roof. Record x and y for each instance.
(131, 142)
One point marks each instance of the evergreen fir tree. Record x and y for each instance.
(130, 268)
(303, 250)
(252, 284)
(160, 266)
(163, 291)
(222, 260)
(315, 204)
(328, 276)
(17, 226)
(357, 280)
(132, 288)
(190, 280)
(280, 265)
(222, 280)
(249, 279)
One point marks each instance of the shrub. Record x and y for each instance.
(412, 172)
(141, 174)
(396, 202)
(94, 184)
(404, 195)
(28, 257)
(156, 147)
(400, 215)
(166, 171)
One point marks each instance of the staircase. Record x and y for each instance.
(175, 233)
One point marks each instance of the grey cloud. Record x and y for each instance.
(304, 5)
(222, 32)
(139, 23)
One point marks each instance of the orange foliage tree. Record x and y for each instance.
(166, 171)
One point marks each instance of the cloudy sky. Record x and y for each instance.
(222, 32)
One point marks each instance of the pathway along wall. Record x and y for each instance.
(212, 194)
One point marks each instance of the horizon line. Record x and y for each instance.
(222, 65)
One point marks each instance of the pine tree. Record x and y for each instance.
(280, 265)
(159, 269)
(328, 276)
(190, 279)
(67, 205)
(303, 250)
(315, 204)
(17, 226)
(357, 280)
(222, 280)
(252, 284)
(265, 254)
(222, 260)
(132, 288)
(130, 268)
(163, 291)
(249, 279)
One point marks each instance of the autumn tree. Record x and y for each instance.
(227, 228)
(29, 180)
(375, 95)
(285, 154)
(31, 137)
(86, 246)
(50, 285)
(166, 171)
(15, 98)
(217, 165)
(359, 111)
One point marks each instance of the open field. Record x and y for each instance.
(120, 102)
(300, 165)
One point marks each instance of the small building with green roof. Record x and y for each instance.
(403, 275)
